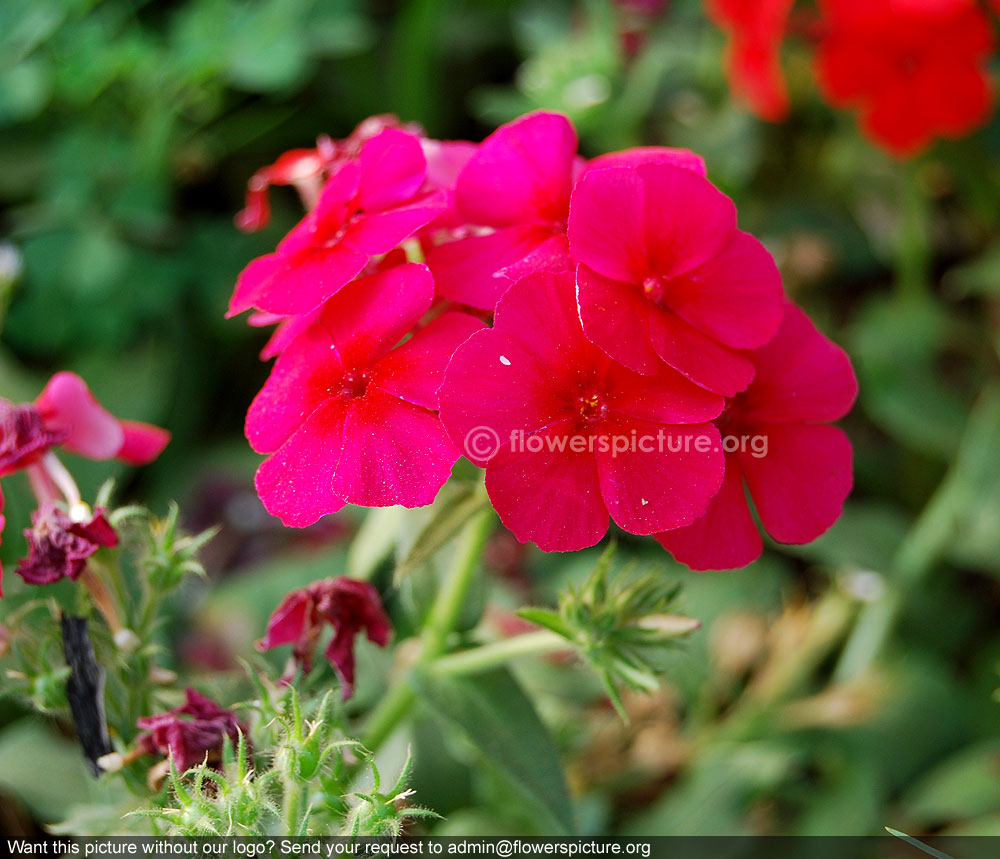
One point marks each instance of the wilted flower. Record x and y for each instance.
(66, 414)
(190, 732)
(58, 545)
(347, 605)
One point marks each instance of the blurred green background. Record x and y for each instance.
(834, 688)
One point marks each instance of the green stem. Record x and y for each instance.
(441, 623)
(498, 653)
(928, 540)
(291, 811)
(913, 251)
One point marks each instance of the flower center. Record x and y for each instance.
(591, 408)
(354, 384)
(655, 288)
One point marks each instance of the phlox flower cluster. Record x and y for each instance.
(914, 70)
(434, 289)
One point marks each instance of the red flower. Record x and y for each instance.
(368, 206)
(915, 69)
(58, 546)
(347, 605)
(518, 183)
(190, 732)
(666, 277)
(555, 406)
(799, 481)
(346, 417)
(307, 169)
(756, 29)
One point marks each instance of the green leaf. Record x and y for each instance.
(549, 619)
(963, 786)
(975, 538)
(375, 541)
(897, 345)
(496, 716)
(456, 505)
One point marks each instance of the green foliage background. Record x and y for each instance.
(128, 130)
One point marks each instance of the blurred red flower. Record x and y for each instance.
(915, 69)
(756, 29)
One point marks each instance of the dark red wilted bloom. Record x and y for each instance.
(664, 275)
(58, 547)
(367, 207)
(189, 733)
(544, 396)
(798, 486)
(915, 69)
(347, 418)
(756, 29)
(347, 605)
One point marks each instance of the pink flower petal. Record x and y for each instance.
(726, 537)
(470, 270)
(522, 173)
(541, 309)
(290, 621)
(445, 160)
(801, 376)
(288, 328)
(379, 233)
(550, 498)
(639, 155)
(371, 315)
(251, 280)
(664, 397)
(296, 483)
(799, 487)
(549, 257)
(67, 405)
(300, 282)
(615, 317)
(697, 356)
(143, 442)
(392, 169)
(299, 383)
(735, 297)
(606, 223)
(493, 386)
(394, 453)
(651, 492)
(687, 221)
(415, 370)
